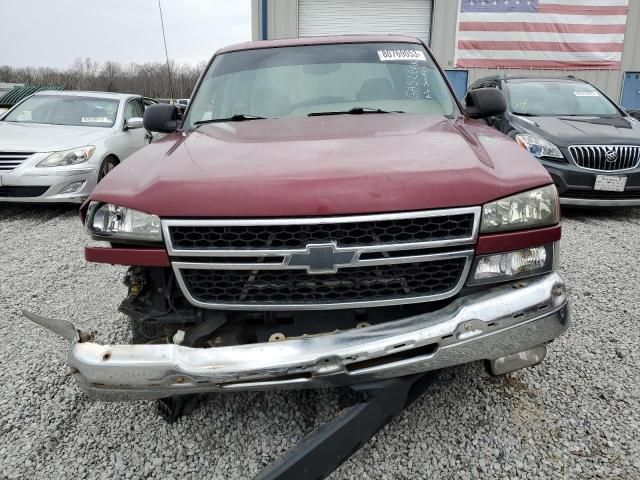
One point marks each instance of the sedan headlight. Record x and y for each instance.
(68, 157)
(532, 209)
(538, 146)
(108, 221)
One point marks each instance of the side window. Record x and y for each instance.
(133, 109)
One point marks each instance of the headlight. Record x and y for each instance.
(538, 146)
(513, 265)
(535, 208)
(68, 157)
(115, 222)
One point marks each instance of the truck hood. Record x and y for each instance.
(567, 131)
(36, 137)
(322, 166)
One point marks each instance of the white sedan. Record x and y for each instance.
(55, 146)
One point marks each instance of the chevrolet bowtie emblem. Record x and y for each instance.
(321, 258)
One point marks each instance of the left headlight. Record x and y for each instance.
(532, 209)
(507, 266)
(68, 157)
(108, 221)
(538, 146)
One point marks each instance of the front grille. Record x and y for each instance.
(362, 284)
(601, 195)
(606, 158)
(324, 262)
(12, 160)
(19, 192)
(298, 236)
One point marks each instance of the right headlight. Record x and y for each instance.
(532, 209)
(68, 157)
(106, 221)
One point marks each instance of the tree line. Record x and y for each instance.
(148, 79)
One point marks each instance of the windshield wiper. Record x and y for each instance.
(524, 114)
(354, 111)
(238, 117)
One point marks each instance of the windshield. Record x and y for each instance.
(66, 110)
(557, 98)
(298, 81)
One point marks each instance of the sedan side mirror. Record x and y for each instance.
(161, 118)
(485, 102)
(133, 122)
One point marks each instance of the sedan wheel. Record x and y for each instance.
(107, 165)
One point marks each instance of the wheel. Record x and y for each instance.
(108, 164)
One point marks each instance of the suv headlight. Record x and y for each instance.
(532, 209)
(68, 157)
(107, 221)
(538, 146)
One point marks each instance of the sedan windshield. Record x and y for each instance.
(557, 98)
(357, 78)
(66, 110)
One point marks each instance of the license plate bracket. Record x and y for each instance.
(610, 183)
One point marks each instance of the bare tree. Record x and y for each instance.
(148, 79)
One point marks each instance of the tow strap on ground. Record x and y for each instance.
(321, 452)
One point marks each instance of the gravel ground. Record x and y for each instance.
(575, 416)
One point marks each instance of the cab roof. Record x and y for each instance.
(323, 40)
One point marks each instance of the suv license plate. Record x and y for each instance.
(610, 183)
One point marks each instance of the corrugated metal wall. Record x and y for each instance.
(334, 17)
(610, 81)
(282, 19)
(282, 22)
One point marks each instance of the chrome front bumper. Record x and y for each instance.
(489, 325)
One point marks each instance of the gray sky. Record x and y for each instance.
(54, 32)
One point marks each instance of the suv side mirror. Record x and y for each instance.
(485, 102)
(133, 122)
(161, 118)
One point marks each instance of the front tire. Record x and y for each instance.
(106, 166)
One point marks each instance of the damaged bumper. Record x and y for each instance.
(508, 325)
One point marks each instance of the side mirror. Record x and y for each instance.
(161, 118)
(133, 122)
(485, 102)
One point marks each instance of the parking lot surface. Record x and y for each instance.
(575, 416)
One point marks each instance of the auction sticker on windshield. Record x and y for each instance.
(401, 55)
(95, 120)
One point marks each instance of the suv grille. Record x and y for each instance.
(606, 158)
(12, 160)
(322, 263)
(361, 233)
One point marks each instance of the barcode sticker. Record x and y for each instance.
(401, 55)
(95, 120)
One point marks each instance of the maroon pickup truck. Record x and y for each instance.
(326, 213)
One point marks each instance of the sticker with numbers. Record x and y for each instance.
(401, 55)
(95, 120)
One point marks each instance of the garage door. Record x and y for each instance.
(336, 17)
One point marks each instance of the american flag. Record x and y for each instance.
(563, 34)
